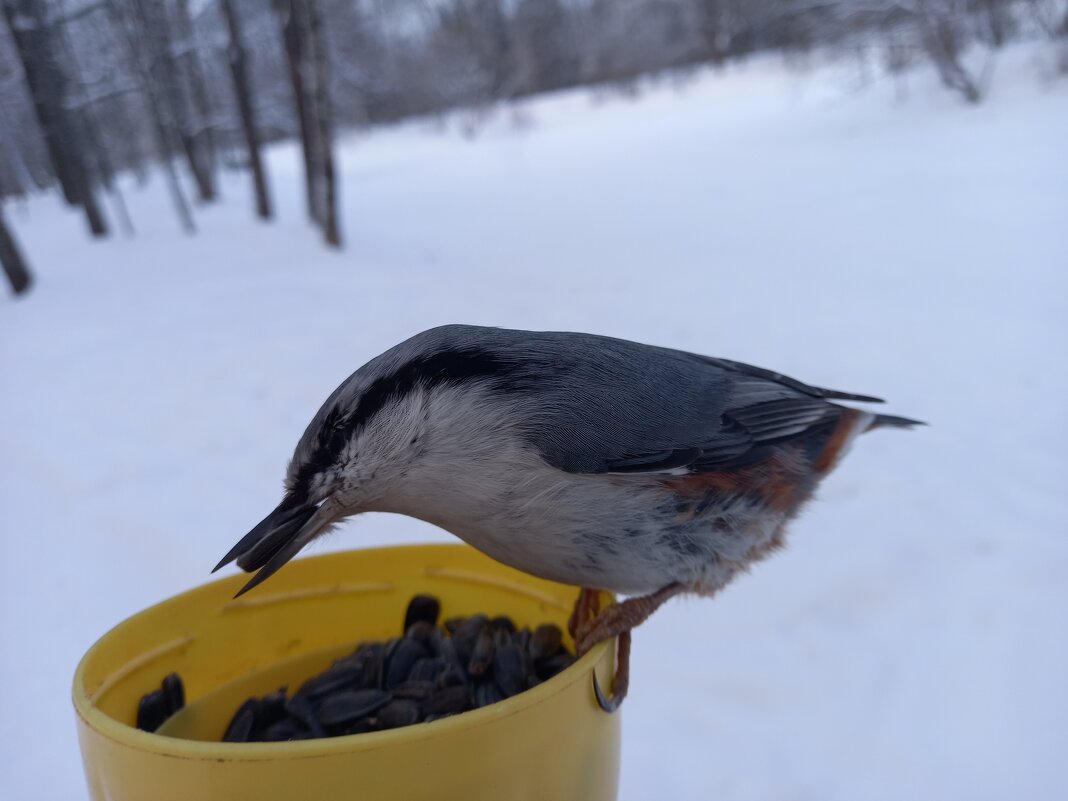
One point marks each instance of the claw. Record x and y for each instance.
(609, 705)
(620, 681)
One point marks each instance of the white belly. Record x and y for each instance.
(618, 533)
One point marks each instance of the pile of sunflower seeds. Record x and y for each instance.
(158, 705)
(430, 673)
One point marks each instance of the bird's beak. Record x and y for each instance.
(276, 539)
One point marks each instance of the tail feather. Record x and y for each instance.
(892, 421)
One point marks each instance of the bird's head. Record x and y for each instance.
(357, 446)
(364, 441)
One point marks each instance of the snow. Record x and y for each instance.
(908, 644)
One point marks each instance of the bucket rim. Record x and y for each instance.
(124, 734)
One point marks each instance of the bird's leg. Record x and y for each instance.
(617, 621)
(621, 617)
(587, 605)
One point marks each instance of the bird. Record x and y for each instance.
(598, 462)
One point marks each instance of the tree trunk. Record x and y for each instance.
(166, 76)
(292, 35)
(236, 57)
(944, 46)
(20, 173)
(88, 122)
(33, 38)
(164, 126)
(204, 136)
(18, 275)
(323, 124)
(27, 26)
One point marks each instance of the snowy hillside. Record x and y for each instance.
(909, 643)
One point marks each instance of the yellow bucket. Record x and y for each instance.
(550, 742)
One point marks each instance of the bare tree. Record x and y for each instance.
(163, 130)
(33, 34)
(289, 16)
(323, 125)
(166, 82)
(89, 88)
(544, 46)
(944, 39)
(238, 70)
(199, 129)
(1051, 17)
(84, 112)
(720, 23)
(306, 59)
(18, 275)
(15, 175)
(995, 20)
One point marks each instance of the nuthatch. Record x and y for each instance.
(578, 458)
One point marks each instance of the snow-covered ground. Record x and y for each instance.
(909, 644)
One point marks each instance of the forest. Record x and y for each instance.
(92, 88)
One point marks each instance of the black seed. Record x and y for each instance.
(241, 725)
(424, 675)
(458, 650)
(151, 711)
(482, 655)
(347, 706)
(421, 632)
(503, 623)
(545, 669)
(371, 658)
(427, 669)
(450, 655)
(364, 725)
(282, 731)
(400, 662)
(415, 690)
(422, 607)
(272, 708)
(335, 678)
(472, 627)
(391, 645)
(449, 700)
(545, 641)
(510, 670)
(174, 692)
(398, 713)
(486, 693)
(299, 707)
(452, 676)
(435, 643)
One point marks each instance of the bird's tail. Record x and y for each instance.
(892, 421)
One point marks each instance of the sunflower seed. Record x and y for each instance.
(346, 706)
(241, 725)
(399, 713)
(424, 608)
(174, 692)
(545, 641)
(510, 670)
(151, 711)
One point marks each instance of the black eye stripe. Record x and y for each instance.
(445, 367)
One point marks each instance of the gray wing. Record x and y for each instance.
(605, 405)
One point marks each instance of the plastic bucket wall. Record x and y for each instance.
(551, 742)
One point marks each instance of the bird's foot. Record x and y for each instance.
(617, 621)
(620, 617)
